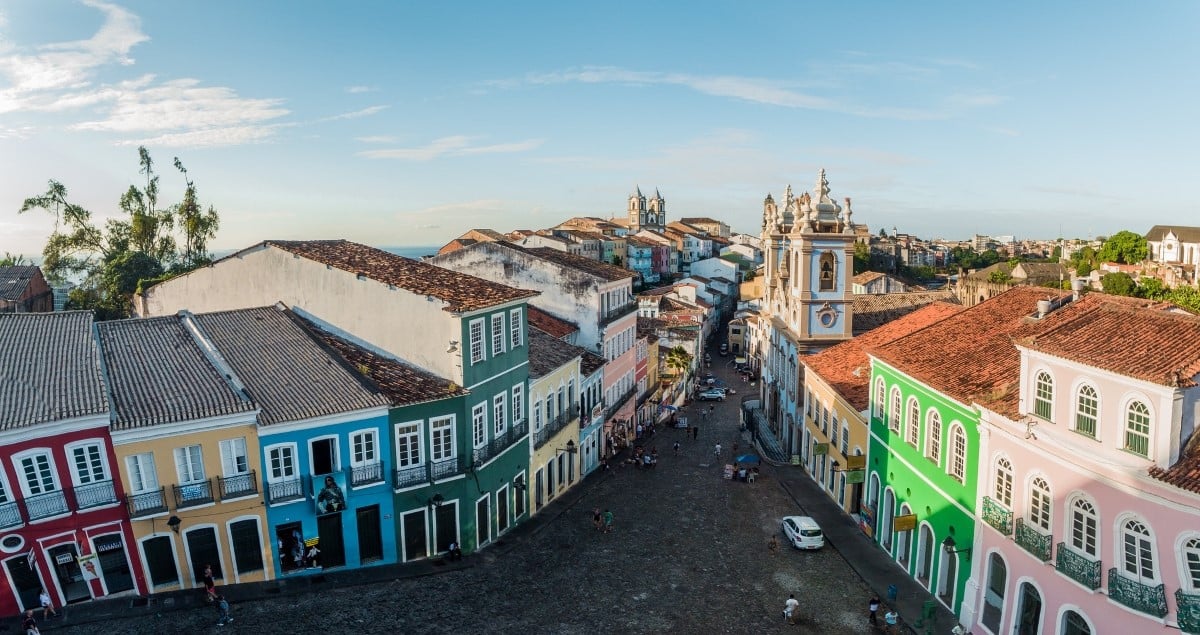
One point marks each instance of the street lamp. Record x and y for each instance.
(948, 545)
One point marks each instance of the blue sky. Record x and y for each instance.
(405, 123)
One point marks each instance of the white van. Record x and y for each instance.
(803, 532)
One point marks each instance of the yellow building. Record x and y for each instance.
(836, 403)
(185, 437)
(554, 377)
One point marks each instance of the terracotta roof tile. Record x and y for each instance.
(590, 363)
(548, 353)
(970, 356)
(1185, 474)
(1136, 338)
(555, 326)
(873, 310)
(403, 384)
(847, 369)
(866, 277)
(460, 292)
(587, 265)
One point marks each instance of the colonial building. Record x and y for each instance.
(554, 375)
(1172, 244)
(642, 214)
(23, 289)
(809, 245)
(63, 522)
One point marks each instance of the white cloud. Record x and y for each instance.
(181, 105)
(353, 90)
(365, 112)
(382, 138)
(208, 137)
(457, 145)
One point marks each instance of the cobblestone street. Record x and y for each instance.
(688, 555)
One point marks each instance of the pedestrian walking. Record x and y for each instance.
(608, 521)
(676, 448)
(790, 608)
(773, 545)
(29, 625)
(47, 605)
(597, 520)
(892, 619)
(223, 611)
(718, 450)
(872, 609)
(695, 432)
(210, 584)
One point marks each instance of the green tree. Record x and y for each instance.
(198, 227)
(862, 258)
(679, 361)
(9, 260)
(1186, 297)
(1056, 253)
(999, 276)
(1125, 247)
(1118, 283)
(1152, 289)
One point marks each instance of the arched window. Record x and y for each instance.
(1043, 398)
(880, 403)
(1137, 551)
(1083, 527)
(1004, 479)
(894, 422)
(1191, 561)
(933, 445)
(1137, 429)
(873, 492)
(958, 453)
(1075, 624)
(828, 272)
(997, 580)
(1039, 504)
(1087, 410)
(914, 422)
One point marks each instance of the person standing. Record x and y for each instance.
(210, 584)
(790, 608)
(873, 609)
(608, 521)
(677, 448)
(773, 545)
(223, 611)
(47, 605)
(597, 519)
(29, 625)
(717, 448)
(892, 619)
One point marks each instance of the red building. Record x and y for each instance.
(63, 521)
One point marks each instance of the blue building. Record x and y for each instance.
(323, 430)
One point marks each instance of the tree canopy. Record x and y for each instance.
(1125, 247)
(1118, 283)
(110, 262)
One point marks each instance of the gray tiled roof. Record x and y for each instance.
(548, 353)
(14, 280)
(49, 368)
(157, 374)
(288, 373)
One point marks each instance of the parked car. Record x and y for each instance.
(803, 532)
(713, 394)
(724, 349)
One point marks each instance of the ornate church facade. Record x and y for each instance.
(646, 213)
(808, 242)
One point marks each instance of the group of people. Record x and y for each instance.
(891, 619)
(602, 521)
(29, 623)
(216, 599)
(641, 458)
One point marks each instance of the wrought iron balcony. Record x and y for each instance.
(554, 425)
(1034, 541)
(445, 468)
(1078, 567)
(46, 505)
(410, 476)
(1187, 611)
(366, 474)
(1147, 598)
(286, 490)
(618, 312)
(237, 486)
(997, 516)
(193, 494)
(616, 404)
(147, 503)
(95, 494)
(10, 515)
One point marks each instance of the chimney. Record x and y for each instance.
(1076, 288)
(1043, 307)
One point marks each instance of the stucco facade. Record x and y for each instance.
(832, 422)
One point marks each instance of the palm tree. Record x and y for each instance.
(679, 360)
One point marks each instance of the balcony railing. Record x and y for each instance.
(445, 468)
(286, 490)
(1034, 541)
(1187, 611)
(1079, 568)
(46, 505)
(95, 494)
(237, 486)
(618, 312)
(366, 474)
(409, 476)
(1147, 598)
(501, 443)
(616, 404)
(147, 503)
(193, 494)
(10, 515)
(554, 425)
(997, 516)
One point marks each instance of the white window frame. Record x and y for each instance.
(535, 403)
(1189, 561)
(443, 426)
(498, 333)
(475, 330)
(1047, 400)
(141, 488)
(291, 448)
(1002, 481)
(499, 415)
(913, 431)
(1127, 431)
(518, 403)
(338, 464)
(515, 329)
(895, 412)
(33, 453)
(106, 473)
(366, 433)
(933, 430)
(199, 463)
(1082, 516)
(956, 463)
(1140, 559)
(1041, 503)
(414, 433)
(6, 493)
(479, 425)
(880, 399)
(1095, 417)
(229, 457)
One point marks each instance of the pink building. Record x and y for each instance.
(1089, 509)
